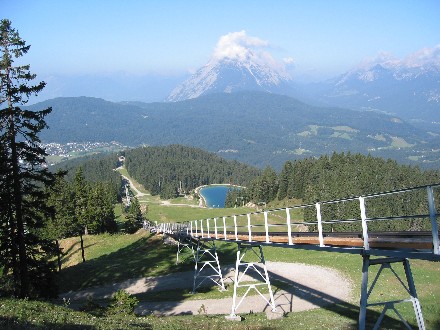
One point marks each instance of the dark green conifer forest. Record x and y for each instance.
(162, 170)
(338, 176)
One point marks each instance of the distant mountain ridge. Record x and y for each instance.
(407, 88)
(230, 76)
(253, 127)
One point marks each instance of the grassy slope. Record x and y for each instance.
(182, 210)
(119, 257)
(114, 258)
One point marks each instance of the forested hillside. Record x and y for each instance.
(162, 170)
(255, 128)
(95, 168)
(339, 176)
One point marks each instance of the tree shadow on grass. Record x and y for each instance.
(69, 254)
(148, 256)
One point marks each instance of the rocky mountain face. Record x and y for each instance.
(408, 88)
(231, 74)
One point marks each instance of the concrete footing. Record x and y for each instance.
(236, 318)
(274, 315)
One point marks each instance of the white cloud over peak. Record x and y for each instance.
(424, 56)
(237, 45)
(240, 46)
(289, 60)
(385, 59)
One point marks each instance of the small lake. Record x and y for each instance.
(215, 196)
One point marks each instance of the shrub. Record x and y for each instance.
(122, 303)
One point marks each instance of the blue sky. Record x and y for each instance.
(140, 37)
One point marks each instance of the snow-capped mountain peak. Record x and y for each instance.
(427, 60)
(239, 62)
(408, 86)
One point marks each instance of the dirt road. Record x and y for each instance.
(304, 287)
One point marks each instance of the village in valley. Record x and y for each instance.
(59, 152)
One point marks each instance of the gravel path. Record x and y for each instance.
(306, 287)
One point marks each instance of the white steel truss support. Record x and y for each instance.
(184, 243)
(433, 217)
(243, 268)
(207, 266)
(386, 263)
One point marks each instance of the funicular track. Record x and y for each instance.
(321, 227)
(379, 239)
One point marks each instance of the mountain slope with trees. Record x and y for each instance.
(253, 127)
(95, 169)
(339, 176)
(163, 170)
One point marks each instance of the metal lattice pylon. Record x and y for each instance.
(249, 267)
(386, 263)
(185, 243)
(207, 266)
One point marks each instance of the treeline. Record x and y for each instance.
(345, 174)
(264, 128)
(79, 208)
(164, 170)
(338, 176)
(96, 168)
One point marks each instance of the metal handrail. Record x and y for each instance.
(214, 228)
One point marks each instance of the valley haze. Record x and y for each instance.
(309, 64)
(257, 128)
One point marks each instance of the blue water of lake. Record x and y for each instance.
(215, 196)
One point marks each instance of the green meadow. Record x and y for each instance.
(115, 258)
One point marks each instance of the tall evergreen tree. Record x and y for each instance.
(265, 188)
(285, 176)
(60, 223)
(134, 217)
(81, 208)
(100, 209)
(23, 176)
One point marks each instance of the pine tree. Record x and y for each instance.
(60, 223)
(81, 208)
(100, 209)
(285, 175)
(23, 177)
(134, 217)
(265, 188)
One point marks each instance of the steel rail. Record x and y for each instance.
(264, 226)
(393, 247)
